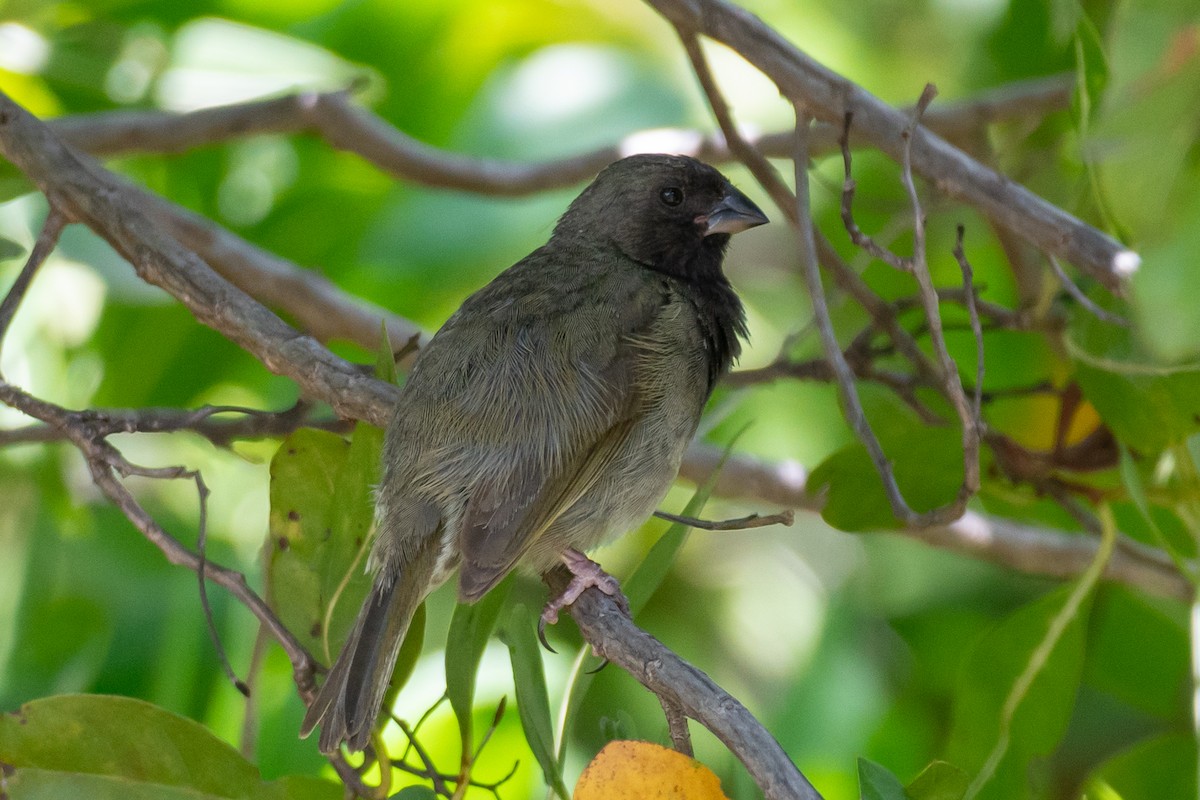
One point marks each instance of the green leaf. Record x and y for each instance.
(100, 746)
(385, 357)
(876, 782)
(1091, 72)
(1040, 719)
(320, 522)
(415, 793)
(470, 627)
(10, 249)
(927, 464)
(1151, 770)
(533, 700)
(939, 781)
(1137, 493)
(1146, 405)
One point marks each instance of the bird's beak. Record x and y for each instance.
(734, 213)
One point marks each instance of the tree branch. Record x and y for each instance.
(90, 194)
(828, 96)
(369, 136)
(678, 684)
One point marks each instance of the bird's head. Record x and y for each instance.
(673, 214)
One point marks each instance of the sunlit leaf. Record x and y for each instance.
(876, 782)
(939, 781)
(320, 521)
(533, 700)
(102, 746)
(928, 469)
(1151, 770)
(470, 628)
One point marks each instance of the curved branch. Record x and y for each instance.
(90, 194)
(613, 636)
(828, 96)
(349, 127)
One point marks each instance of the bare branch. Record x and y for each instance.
(827, 96)
(1032, 549)
(46, 242)
(614, 636)
(92, 195)
(739, 524)
(142, 131)
(102, 461)
(205, 421)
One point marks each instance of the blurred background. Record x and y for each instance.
(845, 645)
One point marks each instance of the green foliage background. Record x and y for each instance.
(845, 646)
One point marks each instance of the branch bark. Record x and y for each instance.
(613, 636)
(828, 96)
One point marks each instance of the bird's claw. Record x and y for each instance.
(585, 575)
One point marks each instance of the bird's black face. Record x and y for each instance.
(672, 213)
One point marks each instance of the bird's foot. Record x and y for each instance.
(585, 575)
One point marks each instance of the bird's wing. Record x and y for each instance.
(557, 400)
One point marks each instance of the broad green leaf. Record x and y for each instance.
(1138, 652)
(1132, 480)
(470, 627)
(876, 782)
(320, 523)
(928, 468)
(1148, 406)
(415, 793)
(10, 249)
(533, 700)
(102, 746)
(939, 781)
(993, 667)
(1151, 770)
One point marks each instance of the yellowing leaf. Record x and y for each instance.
(626, 770)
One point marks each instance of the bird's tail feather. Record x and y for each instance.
(348, 702)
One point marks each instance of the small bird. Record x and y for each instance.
(550, 412)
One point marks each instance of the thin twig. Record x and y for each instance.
(851, 404)
(677, 726)
(47, 240)
(1090, 305)
(103, 460)
(253, 424)
(960, 255)
(763, 171)
(739, 524)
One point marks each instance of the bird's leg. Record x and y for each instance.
(585, 574)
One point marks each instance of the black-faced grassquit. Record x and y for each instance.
(551, 411)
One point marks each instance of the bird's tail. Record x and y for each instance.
(348, 702)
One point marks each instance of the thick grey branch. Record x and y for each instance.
(90, 194)
(828, 96)
(333, 117)
(678, 684)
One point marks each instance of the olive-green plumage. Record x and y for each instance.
(552, 409)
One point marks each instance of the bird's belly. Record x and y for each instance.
(624, 496)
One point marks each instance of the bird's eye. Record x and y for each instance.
(672, 195)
